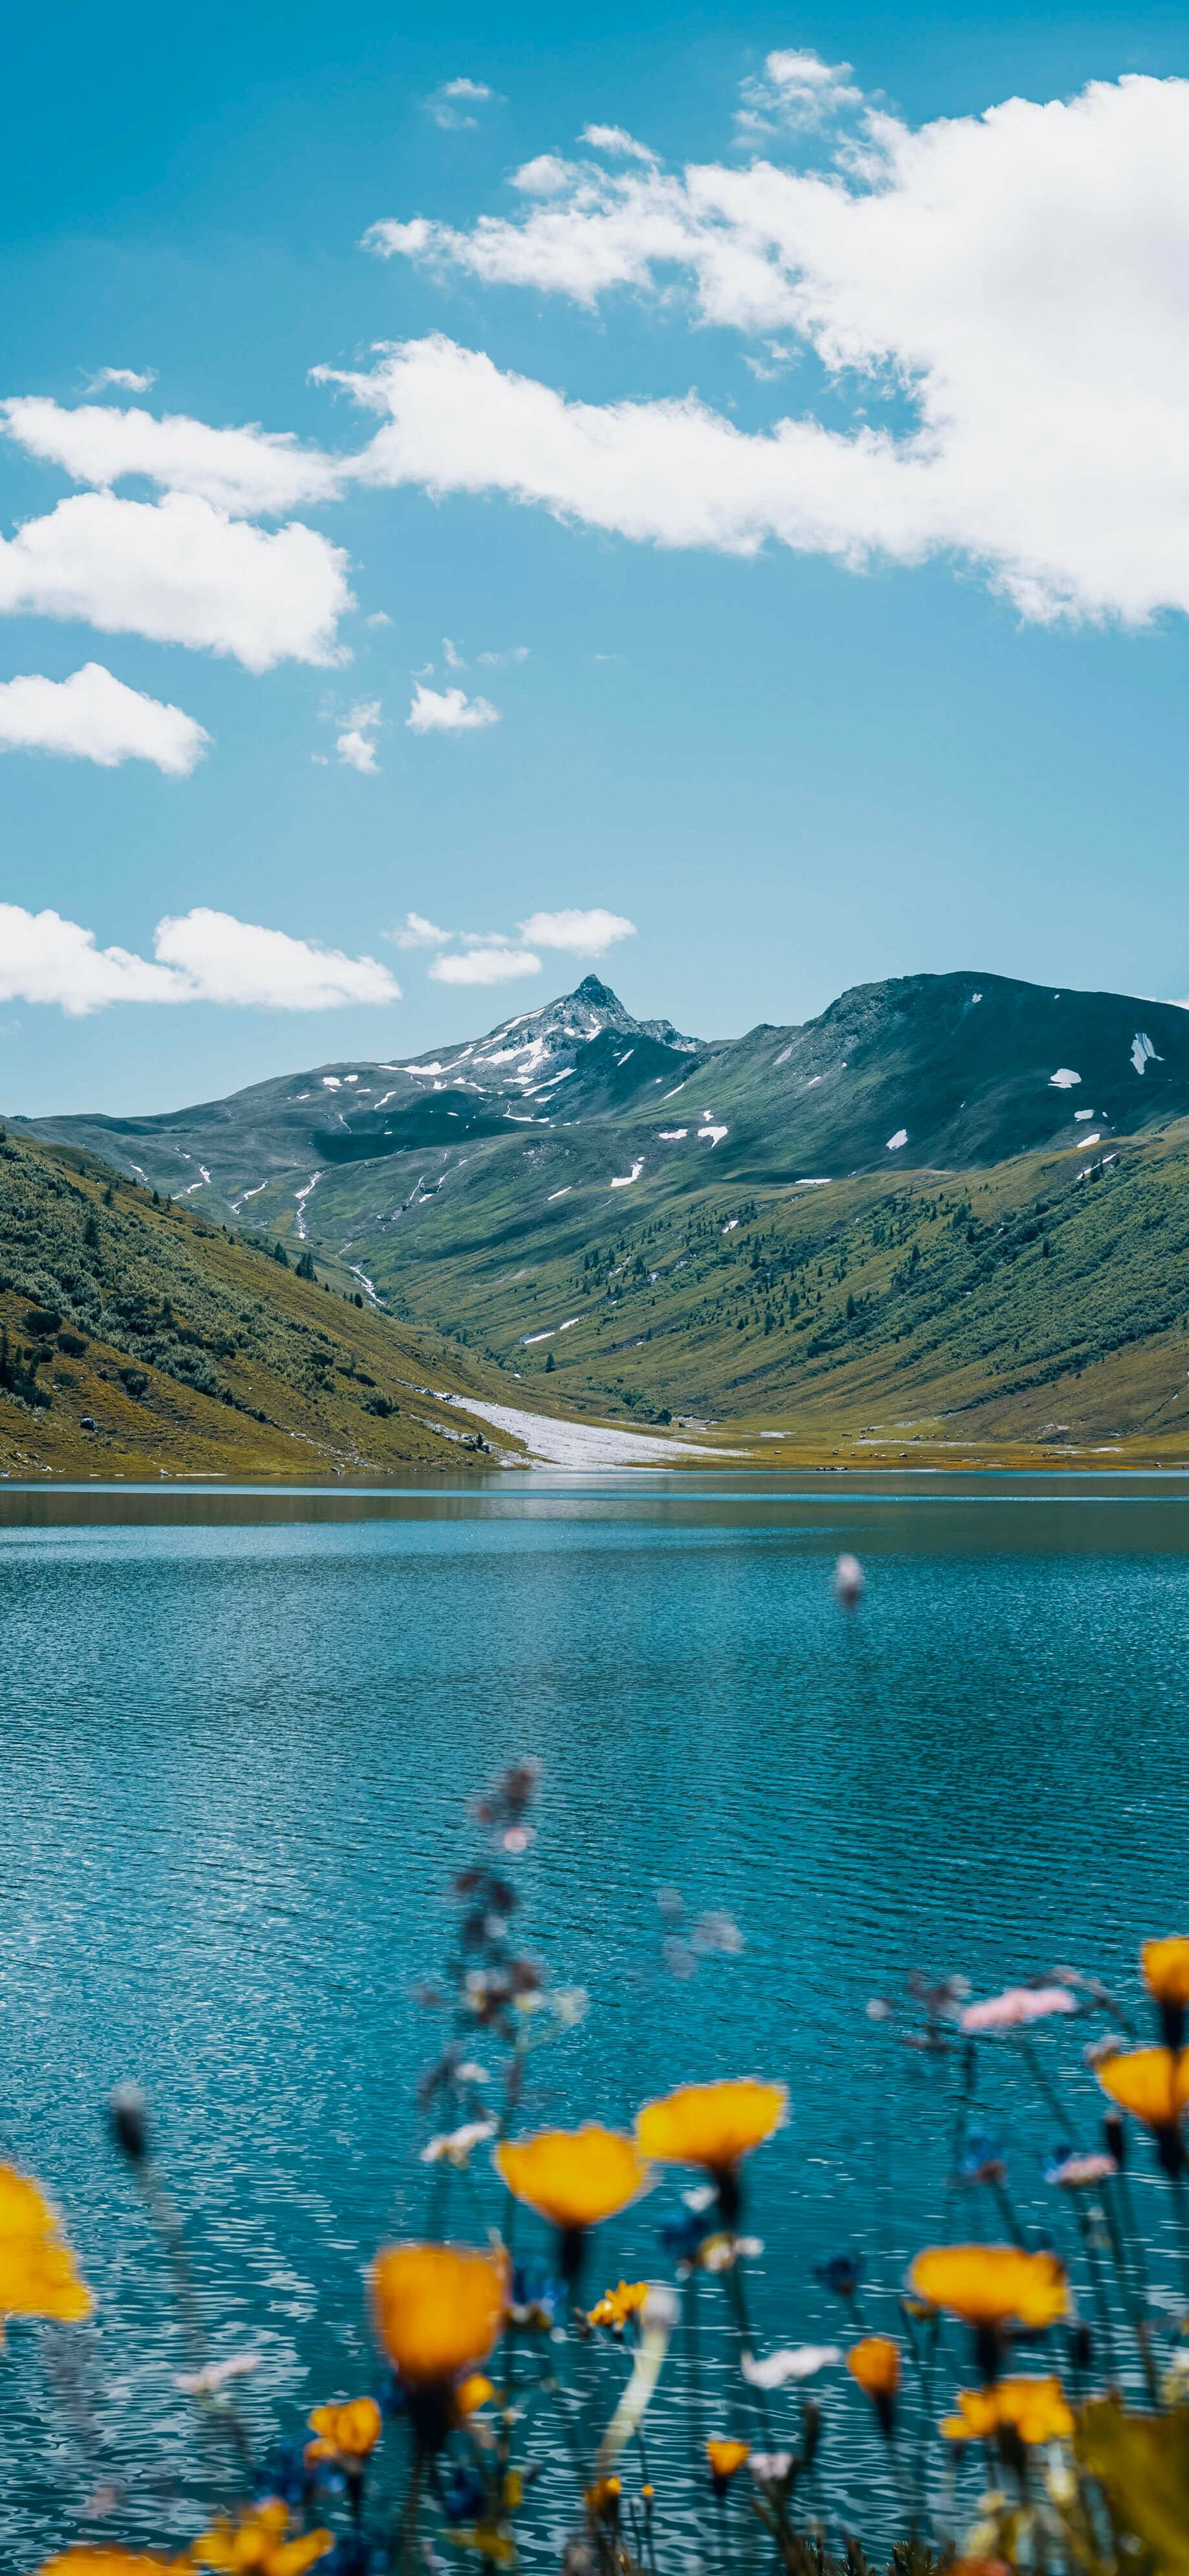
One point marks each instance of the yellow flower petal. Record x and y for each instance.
(573, 2177)
(1151, 2083)
(992, 2285)
(616, 2306)
(1036, 2409)
(438, 2308)
(350, 2431)
(711, 2124)
(37, 2269)
(875, 2363)
(1165, 1966)
(86, 2561)
(726, 2457)
(472, 2392)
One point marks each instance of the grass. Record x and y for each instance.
(136, 1338)
(1039, 1308)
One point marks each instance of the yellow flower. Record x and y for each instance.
(438, 2308)
(111, 2562)
(616, 2306)
(349, 2432)
(711, 2124)
(1033, 2408)
(602, 2499)
(574, 2177)
(992, 2285)
(875, 2362)
(257, 2545)
(725, 2459)
(1152, 2083)
(37, 2270)
(489, 2539)
(471, 2393)
(1165, 1966)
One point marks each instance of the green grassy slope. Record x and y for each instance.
(1046, 1300)
(135, 1338)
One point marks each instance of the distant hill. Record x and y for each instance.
(136, 1338)
(756, 1228)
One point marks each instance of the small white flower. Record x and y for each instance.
(455, 2146)
(796, 2361)
(213, 2376)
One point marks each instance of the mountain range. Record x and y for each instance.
(664, 1224)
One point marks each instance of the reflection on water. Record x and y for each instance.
(239, 1731)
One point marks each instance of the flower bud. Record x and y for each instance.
(129, 2115)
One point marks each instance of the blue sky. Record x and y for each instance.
(904, 693)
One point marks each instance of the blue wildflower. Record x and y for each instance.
(464, 2495)
(682, 2233)
(842, 2274)
(536, 2295)
(982, 2158)
(286, 2473)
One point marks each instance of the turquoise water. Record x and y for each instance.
(239, 1734)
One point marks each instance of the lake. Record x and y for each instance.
(240, 1731)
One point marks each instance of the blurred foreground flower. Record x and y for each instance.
(874, 2363)
(1015, 2008)
(840, 2273)
(456, 2146)
(258, 2545)
(616, 2306)
(348, 2432)
(1075, 2170)
(726, 2459)
(796, 2361)
(992, 2285)
(438, 2311)
(1153, 2084)
(1034, 2409)
(86, 2561)
(215, 2375)
(37, 2269)
(715, 2126)
(574, 2178)
(849, 1581)
(1165, 1966)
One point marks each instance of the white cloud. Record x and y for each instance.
(180, 572)
(225, 960)
(448, 711)
(246, 472)
(122, 379)
(615, 138)
(203, 957)
(46, 959)
(449, 105)
(501, 661)
(795, 89)
(1015, 278)
(584, 934)
(93, 716)
(482, 965)
(419, 933)
(355, 744)
(454, 660)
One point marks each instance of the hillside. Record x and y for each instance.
(135, 1338)
(951, 1208)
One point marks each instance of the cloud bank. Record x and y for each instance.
(204, 956)
(1010, 288)
(93, 716)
